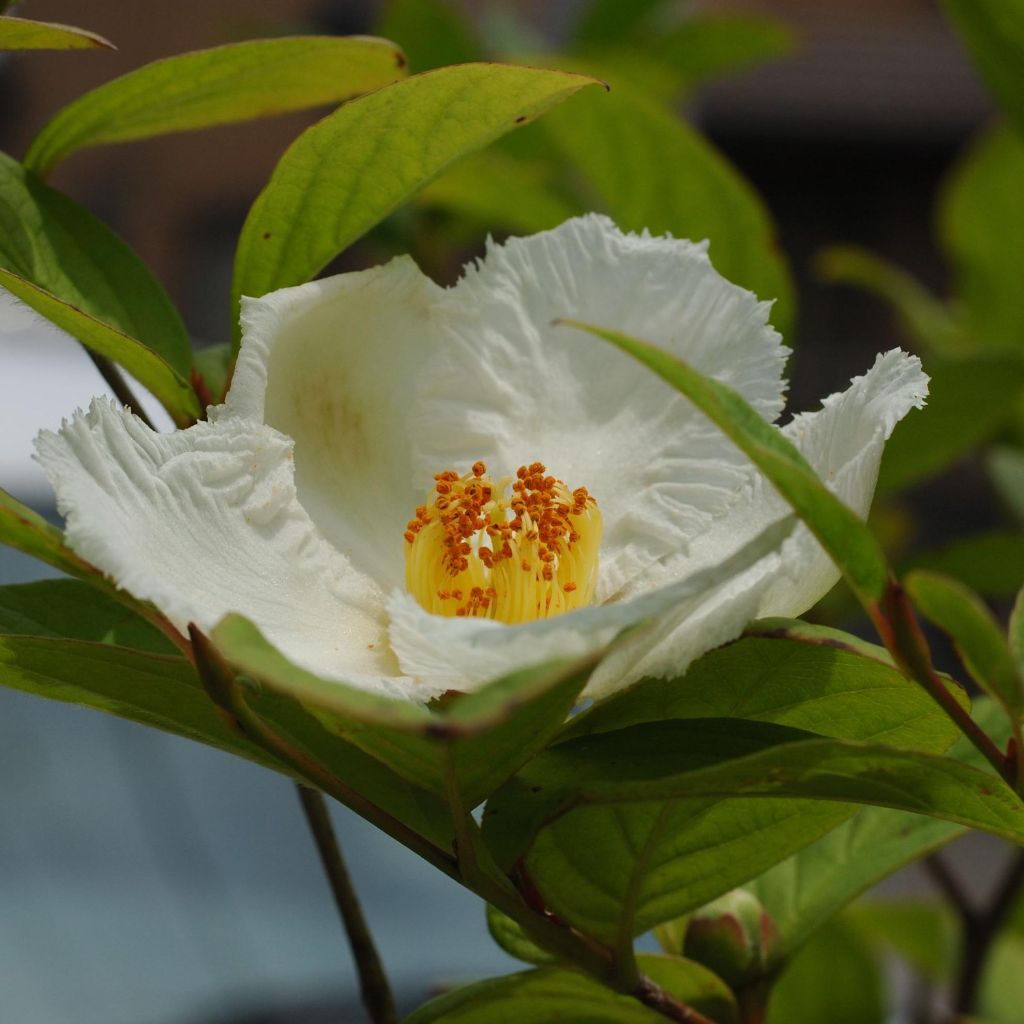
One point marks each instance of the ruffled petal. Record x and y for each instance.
(508, 387)
(843, 442)
(205, 521)
(333, 364)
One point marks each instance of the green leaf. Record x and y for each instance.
(835, 978)
(22, 34)
(500, 193)
(609, 21)
(348, 172)
(72, 609)
(223, 85)
(482, 738)
(148, 368)
(213, 363)
(926, 935)
(968, 401)
(925, 318)
(1017, 631)
(165, 693)
(991, 563)
(513, 940)
(994, 33)
(802, 892)
(978, 637)
(56, 245)
(550, 815)
(980, 219)
(1006, 467)
(433, 33)
(548, 994)
(845, 537)
(710, 46)
(788, 672)
(648, 169)
(1002, 984)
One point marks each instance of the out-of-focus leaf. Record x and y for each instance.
(58, 246)
(648, 169)
(223, 85)
(213, 362)
(981, 219)
(611, 21)
(433, 33)
(145, 365)
(1002, 985)
(713, 45)
(501, 193)
(1017, 632)
(990, 563)
(482, 738)
(802, 892)
(994, 33)
(22, 34)
(978, 637)
(926, 935)
(968, 401)
(1006, 467)
(72, 609)
(835, 978)
(845, 536)
(925, 318)
(548, 994)
(348, 172)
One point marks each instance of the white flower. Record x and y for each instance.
(377, 381)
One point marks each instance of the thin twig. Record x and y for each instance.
(122, 390)
(944, 879)
(373, 983)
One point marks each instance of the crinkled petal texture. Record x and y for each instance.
(382, 379)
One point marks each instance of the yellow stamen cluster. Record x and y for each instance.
(479, 550)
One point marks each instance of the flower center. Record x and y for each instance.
(479, 550)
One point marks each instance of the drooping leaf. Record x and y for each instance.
(802, 892)
(835, 978)
(76, 611)
(348, 172)
(994, 33)
(548, 994)
(23, 34)
(925, 317)
(845, 537)
(598, 824)
(990, 563)
(481, 737)
(648, 169)
(787, 672)
(164, 692)
(146, 366)
(223, 85)
(978, 637)
(58, 246)
(433, 33)
(980, 219)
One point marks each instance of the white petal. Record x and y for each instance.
(332, 364)
(843, 443)
(205, 521)
(463, 653)
(508, 387)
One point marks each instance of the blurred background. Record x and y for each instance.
(146, 880)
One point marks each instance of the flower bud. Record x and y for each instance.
(734, 936)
